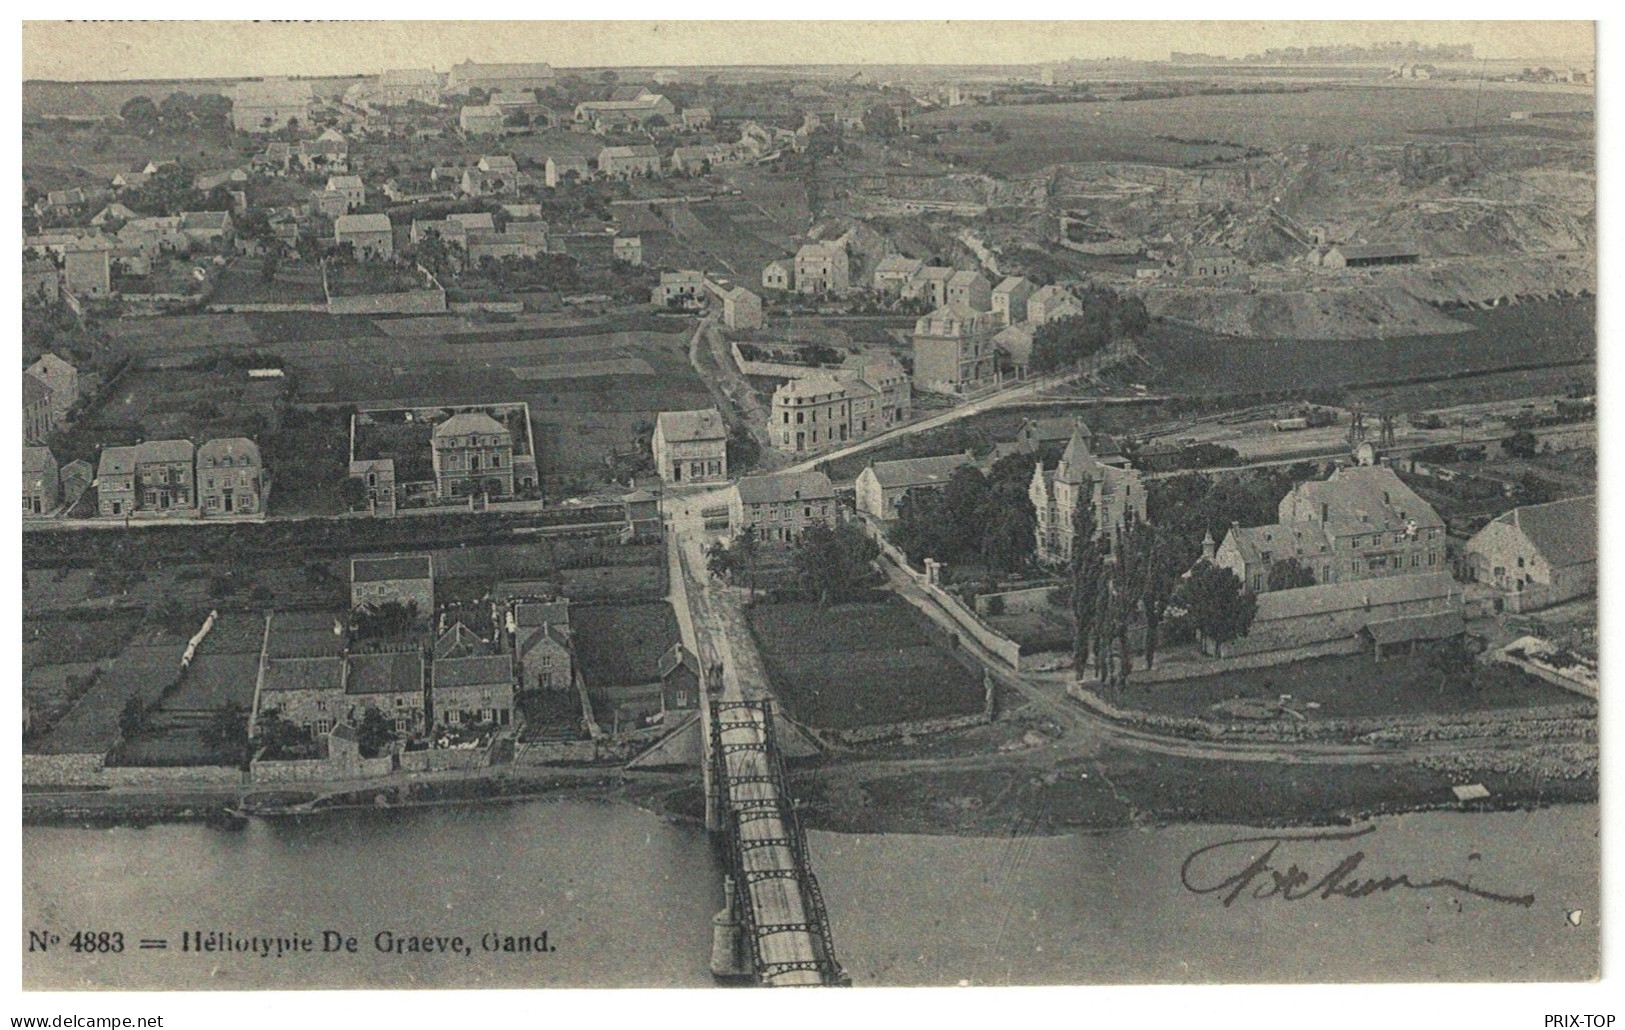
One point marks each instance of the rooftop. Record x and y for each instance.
(392, 673)
(784, 486)
(1564, 532)
(345, 224)
(907, 472)
(701, 424)
(474, 671)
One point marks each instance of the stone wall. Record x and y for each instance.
(227, 308)
(1016, 602)
(445, 759)
(410, 302)
(152, 775)
(1184, 670)
(62, 770)
(961, 618)
(778, 369)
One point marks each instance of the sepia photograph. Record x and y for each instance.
(585, 504)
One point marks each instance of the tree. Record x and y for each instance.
(269, 265)
(140, 113)
(277, 735)
(131, 717)
(1522, 444)
(719, 560)
(1449, 664)
(177, 110)
(390, 619)
(1534, 490)
(1087, 566)
(608, 78)
(1289, 574)
(213, 112)
(353, 492)
(965, 504)
(1217, 604)
(921, 529)
(880, 120)
(834, 563)
(374, 734)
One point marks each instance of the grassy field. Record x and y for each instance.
(860, 664)
(620, 644)
(1348, 686)
(1137, 131)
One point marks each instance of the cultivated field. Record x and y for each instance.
(1045, 134)
(1191, 361)
(860, 664)
(620, 644)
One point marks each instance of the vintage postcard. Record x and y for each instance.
(586, 504)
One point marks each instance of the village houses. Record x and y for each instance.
(230, 477)
(370, 236)
(63, 380)
(472, 691)
(822, 268)
(953, 349)
(42, 485)
(472, 454)
(543, 651)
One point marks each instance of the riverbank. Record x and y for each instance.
(935, 788)
(100, 809)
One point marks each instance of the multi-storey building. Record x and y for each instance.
(62, 378)
(472, 691)
(164, 475)
(115, 482)
(230, 477)
(953, 349)
(778, 508)
(882, 486)
(1010, 297)
(42, 484)
(894, 272)
(1116, 493)
(778, 275)
(867, 395)
(810, 413)
(1360, 523)
(691, 446)
(403, 579)
(473, 453)
(392, 683)
(822, 268)
(971, 290)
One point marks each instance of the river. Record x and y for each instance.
(626, 898)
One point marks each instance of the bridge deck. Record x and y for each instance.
(789, 941)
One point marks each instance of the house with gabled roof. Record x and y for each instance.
(42, 485)
(472, 691)
(691, 446)
(405, 579)
(391, 682)
(1538, 555)
(882, 485)
(543, 649)
(780, 506)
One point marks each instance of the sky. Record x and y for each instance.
(84, 51)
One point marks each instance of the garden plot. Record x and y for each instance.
(861, 665)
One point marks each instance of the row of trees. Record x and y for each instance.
(178, 112)
(1126, 582)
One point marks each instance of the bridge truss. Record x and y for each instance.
(780, 907)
